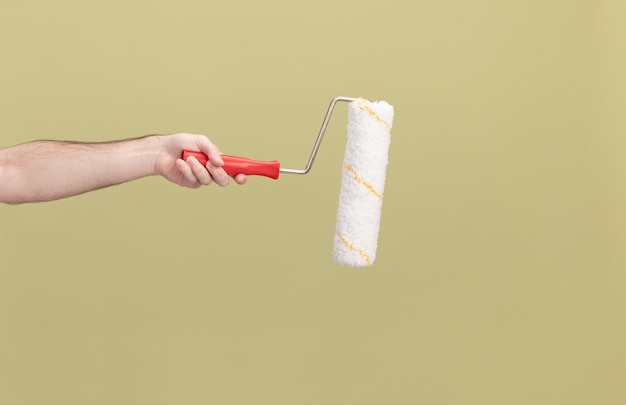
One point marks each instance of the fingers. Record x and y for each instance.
(214, 165)
(240, 179)
(212, 151)
(200, 173)
(188, 178)
(218, 174)
(195, 174)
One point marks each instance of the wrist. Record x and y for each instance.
(154, 147)
(164, 152)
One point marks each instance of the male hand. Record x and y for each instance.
(191, 173)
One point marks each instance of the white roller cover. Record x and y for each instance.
(362, 182)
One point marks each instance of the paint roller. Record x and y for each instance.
(362, 179)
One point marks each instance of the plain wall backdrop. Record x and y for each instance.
(500, 273)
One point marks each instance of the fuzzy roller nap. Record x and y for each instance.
(362, 182)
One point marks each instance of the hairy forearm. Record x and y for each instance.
(49, 170)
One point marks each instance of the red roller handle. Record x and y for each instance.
(235, 164)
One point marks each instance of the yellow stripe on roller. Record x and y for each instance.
(359, 180)
(373, 114)
(352, 248)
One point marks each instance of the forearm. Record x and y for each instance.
(49, 170)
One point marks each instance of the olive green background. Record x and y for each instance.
(501, 268)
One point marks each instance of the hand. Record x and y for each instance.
(191, 173)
